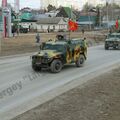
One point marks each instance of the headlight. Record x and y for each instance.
(49, 59)
(46, 60)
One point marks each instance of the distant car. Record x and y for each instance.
(55, 54)
(24, 29)
(112, 41)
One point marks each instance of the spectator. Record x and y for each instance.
(83, 31)
(38, 38)
(29, 28)
(17, 30)
(110, 31)
(48, 29)
(13, 30)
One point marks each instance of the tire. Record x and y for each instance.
(80, 62)
(56, 66)
(106, 48)
(115, 48)
(36, 68)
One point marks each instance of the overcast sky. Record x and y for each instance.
(26, 3)
(36, 3)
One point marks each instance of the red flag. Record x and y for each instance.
(116, 24)
(72, 25)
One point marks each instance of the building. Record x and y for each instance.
(54, 24)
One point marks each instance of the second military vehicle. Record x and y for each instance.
(112, 41)
(55, 54)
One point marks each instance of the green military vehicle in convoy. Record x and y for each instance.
(55, 54)
(112, 41)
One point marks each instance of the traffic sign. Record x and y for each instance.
(5, 11)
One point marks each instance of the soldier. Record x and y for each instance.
(85, 45)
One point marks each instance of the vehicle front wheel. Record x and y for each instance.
(56, 66)
(106, 47)
(80, 62)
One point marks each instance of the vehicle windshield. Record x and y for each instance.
(113, 36)
(56, 47)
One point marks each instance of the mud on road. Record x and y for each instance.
(98, 99)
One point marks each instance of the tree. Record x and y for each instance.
(87, 7)
(115, 6)
(50, 8)
(98, 17)
(77, 14)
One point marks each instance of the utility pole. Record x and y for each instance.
(107, 8)
(9, 29)
(113, 10)
(100, 19)
(4, 4)
(89, 16)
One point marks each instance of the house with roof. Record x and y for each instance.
(45, 22)
(52, 24)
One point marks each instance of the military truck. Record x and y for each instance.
(55, 54)
(112, 41)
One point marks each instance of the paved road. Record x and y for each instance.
(19, 84)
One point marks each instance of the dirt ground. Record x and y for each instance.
(98, 99)
(26, 42)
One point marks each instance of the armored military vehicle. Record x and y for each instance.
(112, 41)
(55, 54)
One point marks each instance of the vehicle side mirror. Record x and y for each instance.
(69, 42)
